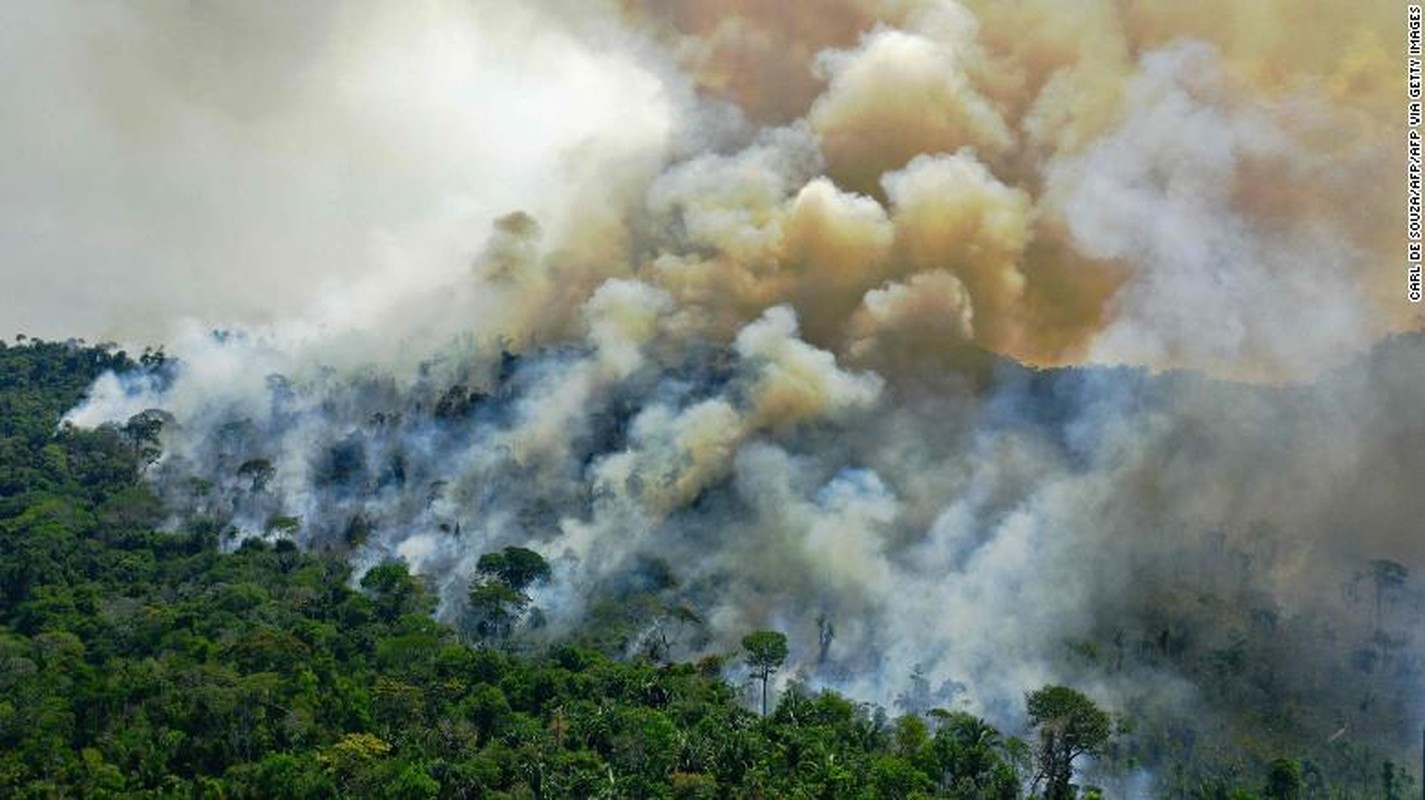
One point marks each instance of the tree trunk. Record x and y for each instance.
(764, 694)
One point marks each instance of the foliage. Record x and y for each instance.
(1069, 726)
(497, 599)
(766, 650)
(516, 567)
(151, 664)
(134, 662)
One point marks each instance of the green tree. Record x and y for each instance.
(395, 591)
(765, 650)
(256, 472)
(516, 567)
(495, 608)
(970, 758)
(1283, 780)
(497, 598)
(1069, 725)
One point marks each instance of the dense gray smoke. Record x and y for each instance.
(753, 337)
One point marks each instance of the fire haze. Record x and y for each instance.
(747, 287)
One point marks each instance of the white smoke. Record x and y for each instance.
(771, 360)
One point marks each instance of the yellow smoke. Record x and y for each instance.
(956, 145)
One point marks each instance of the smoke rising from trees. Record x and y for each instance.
(749, 297)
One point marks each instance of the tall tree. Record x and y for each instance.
(516, 567)
(495, 608)
(1069, 725)
(766, 650)
(497, 599)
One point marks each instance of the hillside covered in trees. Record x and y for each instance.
(709, 398)
(135, 662)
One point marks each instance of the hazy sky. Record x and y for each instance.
(1149, 183)
(233, 161)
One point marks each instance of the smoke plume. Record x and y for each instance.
(981, 338)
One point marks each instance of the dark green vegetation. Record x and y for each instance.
(137, 663)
